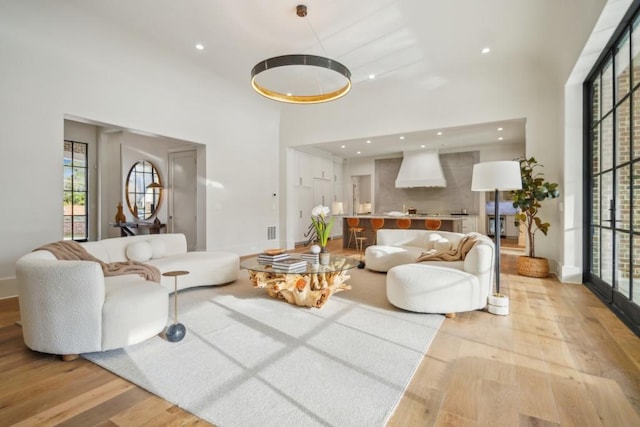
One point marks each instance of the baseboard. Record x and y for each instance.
(569, 274)
(8, 287)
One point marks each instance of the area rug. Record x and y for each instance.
(249, 359)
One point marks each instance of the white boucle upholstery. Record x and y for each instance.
(139, 251)
(69, 307)
(428, 288)
(432, 286)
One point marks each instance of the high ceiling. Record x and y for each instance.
(407, 43)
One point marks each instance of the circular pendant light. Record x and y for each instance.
(301, 78)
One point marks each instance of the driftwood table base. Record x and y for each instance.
(304, 289)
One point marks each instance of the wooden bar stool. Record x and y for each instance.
(403, 223)
(432, 224)
(355, 231)
(376, 224)
(360, 244)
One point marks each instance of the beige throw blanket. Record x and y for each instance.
(69, 250)
(457, 254)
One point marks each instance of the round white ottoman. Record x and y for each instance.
(425, 288)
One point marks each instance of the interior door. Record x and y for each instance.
(183, 195)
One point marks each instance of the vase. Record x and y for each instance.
(324, 257)
(120, 215)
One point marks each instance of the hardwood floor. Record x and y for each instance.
(559, 358)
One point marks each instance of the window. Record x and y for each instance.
(75, 195)
(612, 164)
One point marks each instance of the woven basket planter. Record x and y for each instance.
(533, 267)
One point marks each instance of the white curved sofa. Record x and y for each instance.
(70, 307)
(432, 286)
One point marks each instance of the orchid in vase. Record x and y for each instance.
(322, 223)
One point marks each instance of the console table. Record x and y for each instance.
(126, 228)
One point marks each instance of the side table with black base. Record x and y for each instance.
(176, 331)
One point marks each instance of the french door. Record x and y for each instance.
(612, 166)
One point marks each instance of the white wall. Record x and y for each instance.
(57, 62)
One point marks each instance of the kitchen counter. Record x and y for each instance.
(449, 223)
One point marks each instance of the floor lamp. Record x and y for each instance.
(497, 176)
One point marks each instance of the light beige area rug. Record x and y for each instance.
(250, 360)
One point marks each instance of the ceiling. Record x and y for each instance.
(408, 43)
(452, 139)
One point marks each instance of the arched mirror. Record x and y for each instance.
(144, 189)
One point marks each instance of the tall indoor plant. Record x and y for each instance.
(528, 202)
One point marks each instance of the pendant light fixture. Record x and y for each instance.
(313, 79)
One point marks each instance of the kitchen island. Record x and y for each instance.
(447, 223)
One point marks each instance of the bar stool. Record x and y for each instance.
(355, 231)
(360, 244)
(376, 224)
(403, 223)
(432, 224)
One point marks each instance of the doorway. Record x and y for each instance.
(182, 201)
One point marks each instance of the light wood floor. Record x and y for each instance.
(559, 358)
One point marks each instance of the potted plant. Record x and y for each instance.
(322, 225)
(528, 202)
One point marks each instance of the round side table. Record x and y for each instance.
(176, 331)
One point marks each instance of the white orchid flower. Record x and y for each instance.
(320, 211)
(318, 217)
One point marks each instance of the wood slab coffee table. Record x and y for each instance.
(309, 288)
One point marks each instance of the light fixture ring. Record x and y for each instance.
(305, 60)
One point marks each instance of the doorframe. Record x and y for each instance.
(200, 243)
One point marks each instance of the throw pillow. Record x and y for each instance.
(431, 239)
(158, 248)
(442, 245)
(139, 251)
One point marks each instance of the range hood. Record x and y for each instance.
(420, 169)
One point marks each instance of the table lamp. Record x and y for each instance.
(497, 176)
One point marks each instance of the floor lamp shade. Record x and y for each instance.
(497, 176)
(501, 176)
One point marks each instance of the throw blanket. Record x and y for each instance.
(457, 254)
(68, 250)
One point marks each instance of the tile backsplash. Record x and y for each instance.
(456, 196)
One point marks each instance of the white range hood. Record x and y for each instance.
(420, 169)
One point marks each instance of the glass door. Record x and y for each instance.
(613, 170)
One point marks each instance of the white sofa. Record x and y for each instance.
(432, 286)
(70, 307)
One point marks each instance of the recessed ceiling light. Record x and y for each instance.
(289, 94)
(486, 50)
(200, 46)
(357, 152)
(500, 139)
(499, 129)
(368, 141)
(439, 133)
(372, 76)
(343, 146)
(402, 137)
(422, 146)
